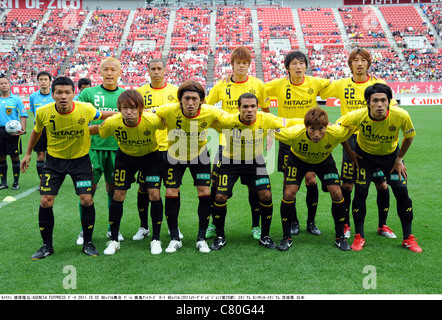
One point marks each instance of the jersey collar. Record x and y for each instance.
(165, 85)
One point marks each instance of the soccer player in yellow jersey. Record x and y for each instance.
(311, 145)
(69, 141)
(242, 157)
(350, 91)
(377, 147)
(135, 132)
(228, 92)
(187, 124)
(155, 94)
(296, 94)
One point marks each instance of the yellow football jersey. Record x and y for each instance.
(295, 100)
(155, 97)
(379, 137)
(187, 137)
(228, 93)
(351, 93)
(134, 141)
(309, 151)
(68, 133)
(246, 141)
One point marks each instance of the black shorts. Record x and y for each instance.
(347, 169)
(9, 145)
(370, 164)
(56, 169)
(42, 142)
(127, 166)
(163, 154)
(283, 154)
(200, 171)
(325, 170)
(252, 174)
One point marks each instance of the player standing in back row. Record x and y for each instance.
(155, 94)
(296, 95)
(103, 151)
(36, 100)
(350, 91)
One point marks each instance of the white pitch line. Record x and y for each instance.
(21, 195)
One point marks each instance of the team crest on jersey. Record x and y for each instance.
(204, 124)
(252, 91)
(328, 146)
(8, 111)
(81, 121)
(310, 91)
(147, 132)
(392, 128)
(170, 97)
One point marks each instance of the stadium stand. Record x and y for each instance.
(363, 27)
(406, 21)
(52, 45)
(319, 26)
(233, 28)
(188, 54)
(270, 28)
(100, 39)
(426, 64)
(53, 41)
(148, 24)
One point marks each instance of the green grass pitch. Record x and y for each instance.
(312, 266)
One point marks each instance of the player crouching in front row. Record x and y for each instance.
(242, 157)
(377, 147)
(138, 151)
(311, 146)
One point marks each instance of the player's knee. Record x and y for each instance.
(221, 198)
(335, 192)
(381, 185)
(47, 201)
(347, 186)
(310, 179)
(203, 191)
(172, 192)
(265, 195)
(119, 195)
(290, 193)
(86, 200)
(154, 194)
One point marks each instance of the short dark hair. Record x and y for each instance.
(131, 97)
(191, 85)
(44, 73)
(84, 81)
(295, 55)
(378, 88)
(247, 95)
(3, 76)
(63, 81)
(154, 60)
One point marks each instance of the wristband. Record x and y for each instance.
(399, 159)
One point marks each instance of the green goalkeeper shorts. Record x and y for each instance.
(103, 163)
